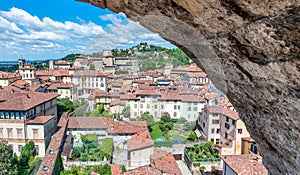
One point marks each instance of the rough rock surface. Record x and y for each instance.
(250, 50)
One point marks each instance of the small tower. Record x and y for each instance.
(21, 62)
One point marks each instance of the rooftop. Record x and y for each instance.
(165, 162)
(139, 141)
(246, 164)
(144, 170)
(40, 119)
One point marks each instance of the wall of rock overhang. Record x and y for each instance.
(250, 50)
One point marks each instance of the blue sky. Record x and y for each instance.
(52, 29)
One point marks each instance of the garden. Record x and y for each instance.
(166, 130)
(92, 150)
(203, 152)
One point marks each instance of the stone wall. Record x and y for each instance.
(250, 50)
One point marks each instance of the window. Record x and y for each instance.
(203, 125)
(227, 119)
(1, 132)
(189, 115)
(141, 105)
(189, 108)
(19, 133)
(155, 106)
(215, 121)
(175, 114)
(226, 135)
(20, 148)
(9, 132)
(233, 122)
(148, 106)
(135, 105)
(36, 148)
(1, 115)
(162, 106)
(218, 131)
(35, 133)
(212, 140)
(175, 106)
(227, 125)
(217, 141)
(240, 131)
(155, 114)
(195, 108)
(178, 107)
(45, 168)
(215, 115)
(135, 114)
(212, 131)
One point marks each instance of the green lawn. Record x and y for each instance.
(156, 132)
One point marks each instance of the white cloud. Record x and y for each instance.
(32, 37)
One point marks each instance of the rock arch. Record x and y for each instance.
(250, 50)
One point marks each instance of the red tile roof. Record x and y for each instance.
(55, 145)
(147, 92)
(20, 82)
(214, 109)
(26, 100)
(231, 114)
(245, 164)
(126, 127)
(192, 99)
(165, 162)
(40, 119)
(89, 122)
(139, 141)
(9, 75)
(116, 169)
(197, 75)
(170, 96)
(144, 170)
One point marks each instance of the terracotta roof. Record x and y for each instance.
(165, 162)
(126, 127)
(20, 82)
(128, 97)
(9, 75)
(231, 114)
(26, 100)
(197, 75)
(60, 85)
(116, 169)
(40, 119)
(191, 98)
(139, 141)
(246, 164)
(88, 122)
(170, 96)
(144, 170)
(147, 92)
(115, 102)
(55, 145)
(9, 92)
(211, 95)
(214, 109)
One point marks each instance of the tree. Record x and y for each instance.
(27, 152)
(7, 165)
(86, 139)
(202, 168)
(126, 111)
(105, 170)
(123, 168)
(146, 116)
(165, 117)
(100, 108)
(92, 67)
(192, 136)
